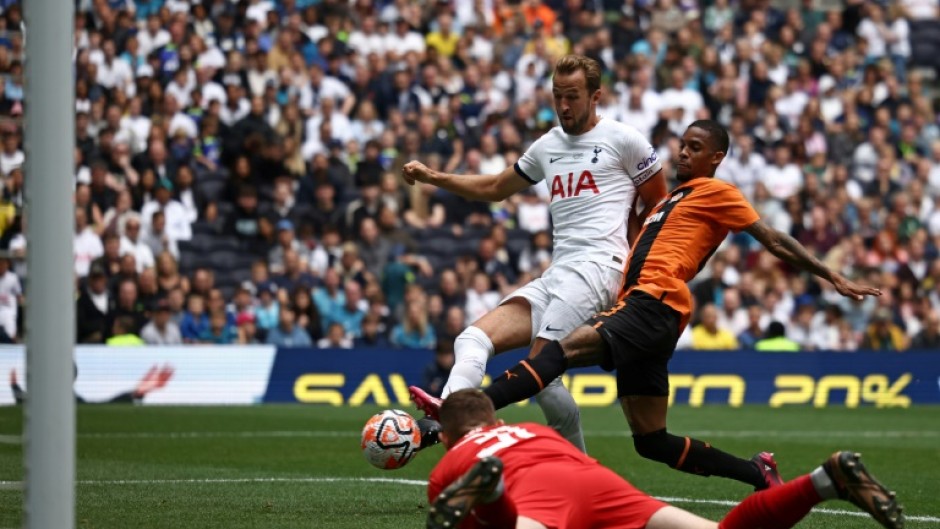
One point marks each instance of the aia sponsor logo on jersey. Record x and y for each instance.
(572, 186)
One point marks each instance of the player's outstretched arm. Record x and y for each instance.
(491, 188)
(789, 250)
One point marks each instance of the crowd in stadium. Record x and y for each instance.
(237, 164)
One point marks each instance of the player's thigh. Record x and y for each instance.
(528, 523)
(584, 347)
(645, 413)
(508, 326)
(578, 291)
(674, 518)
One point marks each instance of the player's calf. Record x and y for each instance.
(528, 377)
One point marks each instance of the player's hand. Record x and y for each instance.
(13, 378)
(415, 171)
(853, 290)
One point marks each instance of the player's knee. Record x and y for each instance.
(584, 346)
(565, 419)
(654, 445)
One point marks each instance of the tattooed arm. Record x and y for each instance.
(792, 252)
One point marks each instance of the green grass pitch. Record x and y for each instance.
(300, 466)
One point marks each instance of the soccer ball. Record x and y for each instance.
(390, 439)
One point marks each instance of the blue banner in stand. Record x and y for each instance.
(380, 376)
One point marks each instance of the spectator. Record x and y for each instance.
(161, 330)
(679, 104)
(11, 294)
(372, 337)
(286, 240)
(775, 340)
(284, 206)
(168, 276)
(110, 260)
(753, 333)
(929, 337)
(414, 332)
(453, 324)
(784, 178)
(801, 328)
(176, 221)
(246, 221)
(123, 334)
(883, 334)
(129, 306)
(11, 157)
(308, 316)
(336, 338)
(157, 238)
(325, 211)
(732, 315)
(287, 333)
(268, 308)
(451, 292)
(215, 303)
(708, 336)
(203, 282)
(436, 373)
(130, 229)
(350, 313)
(480, 298)
(374, 249)
(94, 308)
(195, 321)
(220, 330)
(247, 330)
(86, 244)
(242, 300)
(114, 217)
(825, 333)
(295, 274)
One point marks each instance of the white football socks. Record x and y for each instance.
(562, 413)
(472, 349)
(823, 484)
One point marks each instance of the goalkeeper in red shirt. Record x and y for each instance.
(526, 476)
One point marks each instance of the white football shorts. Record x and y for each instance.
(567, 295)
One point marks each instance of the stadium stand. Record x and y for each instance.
(263, 141)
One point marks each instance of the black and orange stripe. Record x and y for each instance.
(648, 237)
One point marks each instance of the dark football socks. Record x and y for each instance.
(528, 377)
(695, 457)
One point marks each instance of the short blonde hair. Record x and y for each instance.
(570, 64)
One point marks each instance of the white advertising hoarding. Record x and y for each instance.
(173, 375)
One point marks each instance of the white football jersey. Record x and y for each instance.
(592, 180)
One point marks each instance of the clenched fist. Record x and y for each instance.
(415, 171)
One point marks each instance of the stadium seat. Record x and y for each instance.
(211, 190)
(925, 43)
(224, 243)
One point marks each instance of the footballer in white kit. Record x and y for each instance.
(594, 169)
(593, 180)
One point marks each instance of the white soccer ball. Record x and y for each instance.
(390, 439)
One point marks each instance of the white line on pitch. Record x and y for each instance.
(840, 512)
(397, 481)
(872, 434)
